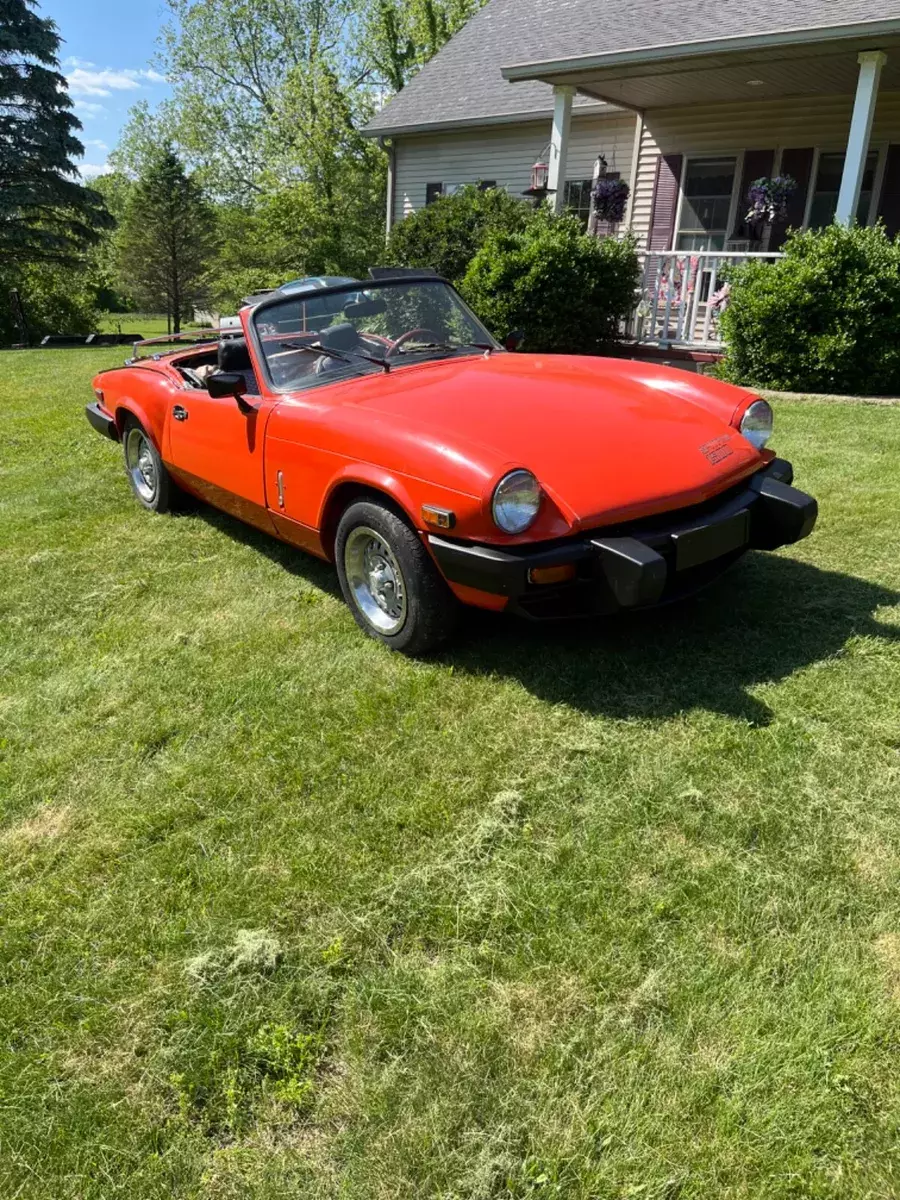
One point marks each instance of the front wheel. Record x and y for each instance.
(150, 481)
(392, 587)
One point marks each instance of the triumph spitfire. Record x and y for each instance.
(377, 424)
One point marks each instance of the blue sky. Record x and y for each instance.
(107, 52)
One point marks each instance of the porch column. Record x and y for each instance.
(870, 64)
(559, 144)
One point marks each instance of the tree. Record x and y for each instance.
(167, 237)
(45, 215)
(256, 84)
(402, 35)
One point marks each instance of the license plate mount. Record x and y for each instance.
(694, 547)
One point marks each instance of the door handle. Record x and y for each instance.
(180, 413)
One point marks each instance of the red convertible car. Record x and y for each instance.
(379, 425)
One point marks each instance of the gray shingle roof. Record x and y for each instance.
(463, 85)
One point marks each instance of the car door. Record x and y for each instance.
(216, 449)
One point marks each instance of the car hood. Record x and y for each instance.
(605, 437)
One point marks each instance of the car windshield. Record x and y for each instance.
(363, 328)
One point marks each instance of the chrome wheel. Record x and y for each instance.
(375, 580)
(140, 463)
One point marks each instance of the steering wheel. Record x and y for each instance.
(420, 334)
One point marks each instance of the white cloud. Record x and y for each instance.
(96, 144)
(72, 61)
(89, 82)
(100, 83)
(92, 170)
(87, 109)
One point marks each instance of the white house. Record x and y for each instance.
(689, 101)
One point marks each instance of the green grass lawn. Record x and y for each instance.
(594, 912)
(148, 325)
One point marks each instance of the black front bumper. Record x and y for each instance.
(640, 563)
(102, 421)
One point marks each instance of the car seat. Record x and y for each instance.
(234, 359)
(342, 337)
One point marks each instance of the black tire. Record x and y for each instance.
(153, 486)
(423, 612)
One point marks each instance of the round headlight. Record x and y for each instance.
(757, 422)
(517, 498)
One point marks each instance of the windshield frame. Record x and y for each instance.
(366, 369)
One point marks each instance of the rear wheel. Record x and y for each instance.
(150, 481)
(390, 583)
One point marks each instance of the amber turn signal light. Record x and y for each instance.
(560, 574)
(438, 518)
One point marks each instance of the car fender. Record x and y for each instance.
(127, 405)
(366, 475)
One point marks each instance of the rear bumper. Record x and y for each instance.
(102, 421)
(642, 563)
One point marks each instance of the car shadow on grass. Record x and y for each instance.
(305, 566)
(769, 617)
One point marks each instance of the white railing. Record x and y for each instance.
(683, 293)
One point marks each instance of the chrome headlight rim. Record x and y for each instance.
(757, 423)
(504, 506)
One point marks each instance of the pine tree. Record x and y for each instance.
(167, 238)
(45, 215)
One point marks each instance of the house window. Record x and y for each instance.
(828, 185)
(707, 190)
(577, 198)
(485, 185)
(433, 191)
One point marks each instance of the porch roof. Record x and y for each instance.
(596, 43)
(779, 63)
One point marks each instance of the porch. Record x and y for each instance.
(683, 294)
(821, 105)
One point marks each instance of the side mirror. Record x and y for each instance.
(514, 340)
(226, 384)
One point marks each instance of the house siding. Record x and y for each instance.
(822, 121)
(505, 154)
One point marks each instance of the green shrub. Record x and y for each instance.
(822, 319)
(567, 291)
(447, 233)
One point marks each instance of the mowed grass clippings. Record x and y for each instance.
(590, 912)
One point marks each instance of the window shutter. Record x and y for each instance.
(665, 201)
(889, 207)
(757, 165)
(797, 164)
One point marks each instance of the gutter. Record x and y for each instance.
(519, 72)
(519, 118)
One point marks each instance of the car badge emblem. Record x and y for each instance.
(717, 449)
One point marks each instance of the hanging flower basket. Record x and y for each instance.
(610, 197)
(768, 200)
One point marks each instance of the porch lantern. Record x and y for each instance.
(540, 174)
(540, 177)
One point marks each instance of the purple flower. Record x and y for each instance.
(768, 199)
(610, 197)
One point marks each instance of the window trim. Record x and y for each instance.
(738, 156)
(569, 208)
(875, 147)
